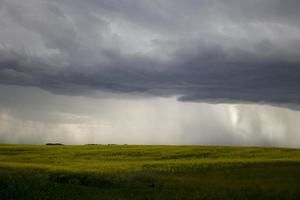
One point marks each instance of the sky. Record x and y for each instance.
(207, 72)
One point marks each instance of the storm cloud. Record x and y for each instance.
(35, 116)
(208, 51)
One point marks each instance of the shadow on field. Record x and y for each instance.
(271, 182)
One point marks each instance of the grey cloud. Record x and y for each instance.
(207, 51)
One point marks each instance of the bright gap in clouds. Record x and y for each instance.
(31, 115)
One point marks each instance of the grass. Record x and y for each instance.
(148, 172)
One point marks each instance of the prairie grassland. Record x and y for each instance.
(148, 172)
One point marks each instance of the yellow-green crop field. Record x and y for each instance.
(148, 172)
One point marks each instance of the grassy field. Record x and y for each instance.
(148, 172)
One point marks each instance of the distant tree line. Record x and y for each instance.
(54, 144)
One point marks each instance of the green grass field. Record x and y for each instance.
(148, 172)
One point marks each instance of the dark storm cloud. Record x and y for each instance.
(211, 51)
